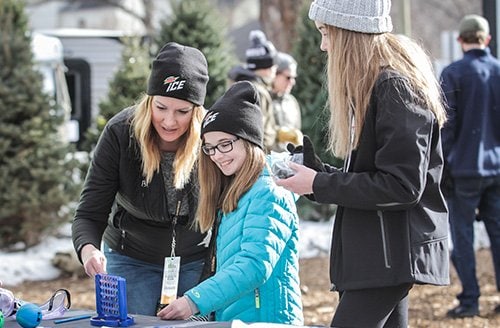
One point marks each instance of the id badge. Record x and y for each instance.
(170, 280)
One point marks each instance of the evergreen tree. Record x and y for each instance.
(311, 94)
(195, 23)
(310, 89)
(37, 177)
(128, 85)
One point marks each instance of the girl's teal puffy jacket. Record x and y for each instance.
(257, 273)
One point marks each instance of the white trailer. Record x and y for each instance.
(49, 60)
(92, 57)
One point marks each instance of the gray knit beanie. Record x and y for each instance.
(284, 62)
(366, 16)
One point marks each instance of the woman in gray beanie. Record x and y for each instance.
(386, 112)
(254, 222)
(143, 172)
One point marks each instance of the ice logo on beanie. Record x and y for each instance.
(211, 116)
(173, 83)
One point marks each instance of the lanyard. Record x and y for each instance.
(174, 220)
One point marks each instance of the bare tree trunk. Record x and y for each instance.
(277, 18)
(146, 19)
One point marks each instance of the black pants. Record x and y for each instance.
(373, 308)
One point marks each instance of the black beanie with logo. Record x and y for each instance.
(180, 72)
(238, 113)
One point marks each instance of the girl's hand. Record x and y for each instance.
(93, 260)
(177, 310)
(301, 182)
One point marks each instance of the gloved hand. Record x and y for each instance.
(311, 160)
(292, 149)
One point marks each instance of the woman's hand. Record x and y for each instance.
(301, 182)
(177, 310)
(93, 260)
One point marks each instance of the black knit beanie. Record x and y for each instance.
(180, 72)
(238, 113)
(261, 53)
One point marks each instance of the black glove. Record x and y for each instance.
(292, 149)
(311, 160)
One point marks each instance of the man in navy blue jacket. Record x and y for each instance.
(471, 146)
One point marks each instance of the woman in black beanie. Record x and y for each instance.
(141, 191)
(254, 222)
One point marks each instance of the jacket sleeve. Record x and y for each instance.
(267, 229)
(450, 86)
(402, 132)
(99, 191)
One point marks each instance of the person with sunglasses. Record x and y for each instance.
(141, 191)
(254, 222)
(285, 107)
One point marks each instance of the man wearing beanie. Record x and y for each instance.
(260, 69)
(471, 146)
(143, 172)
(386, 111)
(255, 235)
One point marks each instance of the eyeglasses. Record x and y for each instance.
(223, 147)
(8, 304)
(57, 305)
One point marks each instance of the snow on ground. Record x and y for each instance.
(35, 263)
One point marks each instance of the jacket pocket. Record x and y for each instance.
(385, 240)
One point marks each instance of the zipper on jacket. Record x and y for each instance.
(257, 298)
(387, 256)
(122, 241)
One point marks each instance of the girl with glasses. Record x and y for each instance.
(254, 222)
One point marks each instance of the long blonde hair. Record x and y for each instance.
(148, 140)
(355, 61)
(219, 192)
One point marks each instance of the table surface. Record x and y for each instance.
(142, 321)
(139, 321)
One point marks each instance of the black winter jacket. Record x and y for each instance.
(391, 225)
(140, 225)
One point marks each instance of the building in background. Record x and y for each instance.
(91, 30)
(429, 21)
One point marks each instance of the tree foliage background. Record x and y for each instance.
(193, 23)
(125, 89)
(36, 169)
(197, 24)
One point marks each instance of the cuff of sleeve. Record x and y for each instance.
(192, 305)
